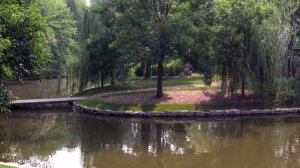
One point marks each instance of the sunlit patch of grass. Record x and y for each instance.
(148, 83)
(194, 88)
(5, 166)
(93, 91)
(145, 83)
(97, 103)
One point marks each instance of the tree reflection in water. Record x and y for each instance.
(41, 138)
(229, 143)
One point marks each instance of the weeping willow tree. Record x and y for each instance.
(101, 62)
(253, 47)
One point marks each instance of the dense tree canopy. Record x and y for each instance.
(37, 39)
(23, 42)
(249, 44)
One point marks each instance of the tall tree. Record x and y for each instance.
(62, 38)
(252, 42)
(23, 48)
(151, 28)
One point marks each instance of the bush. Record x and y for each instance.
(174, 67)
(296, 88)
(6, 98)
(290, 95)
(138, 70)
(154, 70)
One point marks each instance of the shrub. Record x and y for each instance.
(154, 70)
(6, 98)
(289, 94)
(296, 88)
(138, 70)
(174, 67)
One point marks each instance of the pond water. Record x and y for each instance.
(60, 138)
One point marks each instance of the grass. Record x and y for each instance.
(145, 83)
(93, 91)
(5, 166)
(149, 83)
(167, 90)
(194, 88)
(96, 103)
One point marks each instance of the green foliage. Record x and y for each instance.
(289, 93)
(138, 70)
(131, 32)
(174, 67)
(23, 43)
(23, 39)
(6, 98)
(154, 70)
(61, 36)
(296, 88)
(102, 61)
(251, 40)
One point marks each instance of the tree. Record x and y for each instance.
(251, 44)
(151, 29)
(61, 37)
(23, 48)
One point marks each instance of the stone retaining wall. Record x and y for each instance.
(193, 114)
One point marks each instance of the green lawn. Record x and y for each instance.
(4, 166)
(149, 83)
(146, 83)
(94, 103)
(194, 88)
(93, 91)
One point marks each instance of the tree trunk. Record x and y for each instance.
(147, 71)
(160, 67)
(160, 74)
(58, 84)
(243, 86)
(113, 77)
(291, 46)
(102, 79)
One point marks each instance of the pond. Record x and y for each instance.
(61, 138)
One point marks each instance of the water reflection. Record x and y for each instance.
(32, 138)
(61, 139)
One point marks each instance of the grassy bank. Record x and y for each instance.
(96, 103)
(5, 166)
(149, 83)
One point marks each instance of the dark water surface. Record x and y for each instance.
(61, 138)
